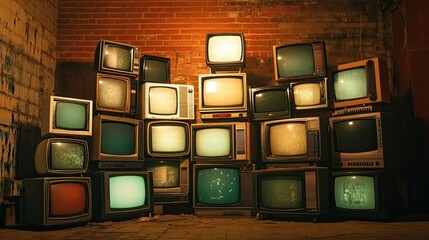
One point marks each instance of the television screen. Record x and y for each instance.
(350, 84)
(155, 69)
(309, 94)
(127, 191)
(355, 192)
(118, 58)
(61, 156)
(213, 142)
(301, 60)
(218, 186)
(68, 116)
(270, 102)
(288, 139)
(59, 200)
(282, 192)
(163, 101)
(167, 139)
(166, 174)
(355, 135)
(225, 50)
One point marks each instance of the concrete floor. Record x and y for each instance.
(194, 227)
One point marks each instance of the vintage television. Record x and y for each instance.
(66, 116)
(299, 61)
(115, 95)
(309, 94)
(361, 194)
(295, 140)
(170, 179)
(166, 139)
(155, 69)
(117, 58)
(222, 189)
(116, 139)
(121, 195)
(225, 51)
(223, 95)
(362, 140)
(220, 141)
(55, 201)
(299, 192)
(61, 156)
(361, 83)
(270, 102)
(167, 101)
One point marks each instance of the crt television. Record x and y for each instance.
(166, 138)
(66, 116)
(117, 58)
(362, 140)
(295, 140)
(309, 94)
(361, 83)
(55, 201)
(121, 194)
(155, 69)
(116, 139)
(270, 102)
(299, 61)
(222, 96)
(222, 189)
(225, 50)
(167, 101)
(300, 192)
(220, 141)
(61, 156)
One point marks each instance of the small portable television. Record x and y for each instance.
(222, 189)
(222, 96)
(299, 61)
(361, 83)
(295, 140)
(225, 51)
(362, 140)
(299, 192)
(66, 116)
(227, 141)
(115, 95)
(121, 195)
(166, 139)
(362, 194)
(56, 201)
(117, 58)
(61, 156)
(116, 139)
(270, 102)
(170, 179)
(155, 69)
(167, 101)
(309, 94)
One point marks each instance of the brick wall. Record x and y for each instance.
(27, 60)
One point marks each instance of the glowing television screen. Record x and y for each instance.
(225, 50)
(155, 69)
(117, 58)
(309, 94)
(167, 139)
(270, 102)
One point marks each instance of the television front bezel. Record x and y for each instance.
(269, 115)
(101, 200)
(43, 157)
(143, 63)
(226, 65)
(149, 153)
(320, 68)
(134, 61)
(380, 83)
(324, 103)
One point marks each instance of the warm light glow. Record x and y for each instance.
(211, 86)
(225, 48)
(350, 123)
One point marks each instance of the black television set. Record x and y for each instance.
(225, 51)
(167, 139)
(117, 58)
(270, 102)
(154, 69)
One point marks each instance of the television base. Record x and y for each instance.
(226, 212)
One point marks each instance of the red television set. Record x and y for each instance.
(270, 102)
(299, 61)
(223, 95)
(220, 141)
(167, 101)
(121, 195)
(55, 201)
(362, 140)
(117, 58)
(166, 139)
(170, 179)
(295, 140)
(292, 193)
(155, 69)
(223, 189)
(225, 51)
(66, 116)
(309, 94)
(61, 156)
(361, 83)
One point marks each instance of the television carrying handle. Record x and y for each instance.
(213, 70)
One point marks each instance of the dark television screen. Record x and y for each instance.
(353, 136)
(218, 186)
(295, 60)
(155, 69)
(118, 138)
(282, 192)
(66, 155)
(117, 57)
(166, 174)
(270, 101)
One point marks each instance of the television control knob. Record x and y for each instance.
(373, 96)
